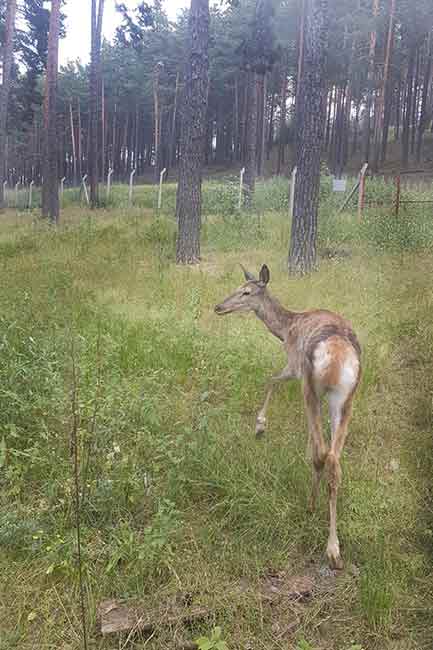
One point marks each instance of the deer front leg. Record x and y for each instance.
(286, 374)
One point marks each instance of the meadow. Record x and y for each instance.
(112, 355)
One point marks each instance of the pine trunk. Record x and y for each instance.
(283, 111)
(9, 30)
(95, 86)
(408, 106)
(312, 96)
(50, 188)
(370, 84)
(188, 201)
(251, 139)
(425, 90)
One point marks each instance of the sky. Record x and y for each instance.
(76, 45)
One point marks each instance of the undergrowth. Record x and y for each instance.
(176, 493)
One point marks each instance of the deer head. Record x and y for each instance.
(247, 297)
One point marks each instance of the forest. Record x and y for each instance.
(378, 79)
(284, 147)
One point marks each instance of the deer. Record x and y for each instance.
(323, 351)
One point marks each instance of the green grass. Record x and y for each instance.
(178, 494)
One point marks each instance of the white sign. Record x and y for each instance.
(339, 184)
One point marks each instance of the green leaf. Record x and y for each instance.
(204, 643)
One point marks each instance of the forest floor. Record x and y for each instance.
(109, 348)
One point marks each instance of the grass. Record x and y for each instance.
(178, 495)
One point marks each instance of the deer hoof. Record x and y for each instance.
(260, 427)
(334, 557)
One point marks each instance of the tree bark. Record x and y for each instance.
(283, 112)
(5, 88)
(425, 90)
(408, 105)
(379, 126)
(312, 95)
(188, 200)
(251, 139)
(261, 118)
(370, 82)
(50, 187)
(95, 85)
(171, 153)
(157, 118)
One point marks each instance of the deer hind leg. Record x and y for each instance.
(319, 449)
(284, 375)
(340, 405)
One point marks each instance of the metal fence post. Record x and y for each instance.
(131, 182)
(86, 193)
(31, 194)
(109, 175)
(292, 192)
(16, 194)
(241, 188)
(361, 194)
(161, 177)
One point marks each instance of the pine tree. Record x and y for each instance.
(188, 201)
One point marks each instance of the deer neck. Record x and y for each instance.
(274, 316)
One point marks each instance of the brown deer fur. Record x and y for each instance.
(323, 351)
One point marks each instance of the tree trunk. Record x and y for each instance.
(283, 111)
(171, 153)
(415, 104)
(261, 119)
(74, 150)
(270, 128)
(251, 139)
(236, 120)
(425, 90)
(50, 188)
(95, 86)
(8, 45)
(370, 84)
(80, 144)
(188, 200)
(298, 98)
(312, 95)
(103, 130)
(157, 119)
(398, 109)
(379, 127)
(408, 105)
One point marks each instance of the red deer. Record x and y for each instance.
(323, 351)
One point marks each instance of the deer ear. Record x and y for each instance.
(264, 275)
(249, 277)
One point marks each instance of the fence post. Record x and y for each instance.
(16, 194)
(241, 188)
(62, 186)
(361, 194)
(4, 193)
(31, 194)
(86, 193)
(397, 194)
(292, 192)
(131, 182)
(109, 175)
(161, 177)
